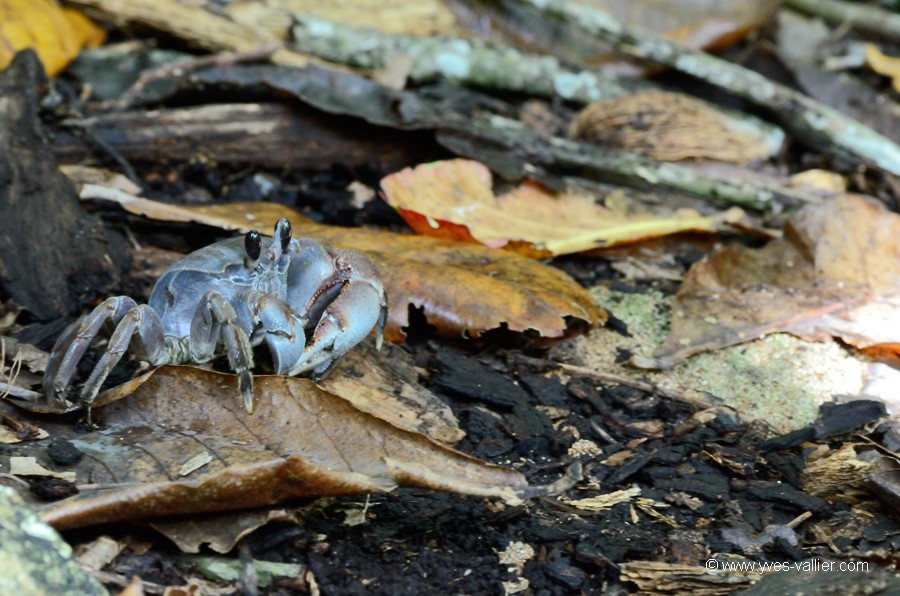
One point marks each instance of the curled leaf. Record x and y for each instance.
(888, 66)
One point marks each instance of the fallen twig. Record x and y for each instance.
(695, 399)
(180, 67)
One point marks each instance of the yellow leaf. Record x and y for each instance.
(888, 66)
(56, 34)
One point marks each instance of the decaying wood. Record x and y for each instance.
(267, 135)
(54, 257)
(814, 123)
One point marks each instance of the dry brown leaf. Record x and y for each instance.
(56, 34)
(220, 533)
(464, 289)
(100, 552)
(836, 272)
(453, 199)
(385, 384)
(467, 289)
(301, 442)
(671, 126)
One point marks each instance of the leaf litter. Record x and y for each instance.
(592, 554)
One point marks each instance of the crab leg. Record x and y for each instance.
(141, 321)
(215, 320)
(72, 345)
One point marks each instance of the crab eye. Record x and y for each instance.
(285, 235)
(253, 244)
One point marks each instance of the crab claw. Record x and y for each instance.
(342, 296)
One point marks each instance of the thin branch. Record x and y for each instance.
(481, 64)
(697, 400)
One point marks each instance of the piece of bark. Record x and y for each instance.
(54, 257)
(267, 135)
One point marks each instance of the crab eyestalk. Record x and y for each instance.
(253, 246)
(281, 241)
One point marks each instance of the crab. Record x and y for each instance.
(308, 302)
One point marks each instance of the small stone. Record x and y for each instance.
(563, 572)
(63, 452)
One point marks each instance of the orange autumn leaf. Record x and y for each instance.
(56, 34)
(835, 273)
(453, 199)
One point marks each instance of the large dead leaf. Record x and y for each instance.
(464, 289)
(454, 199)
(56, 34)
(836, 272)
(385, 384)
(181, 444)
